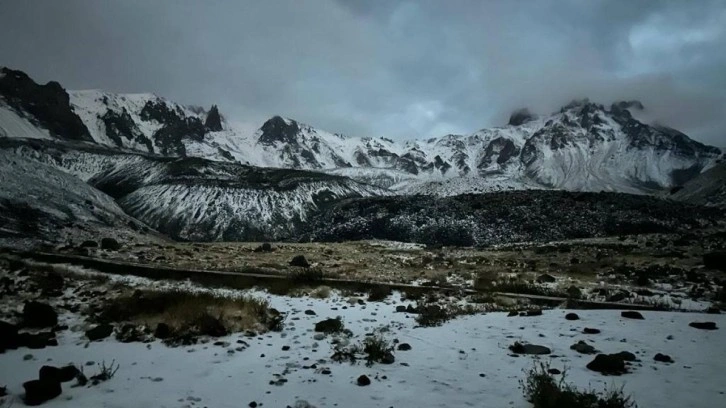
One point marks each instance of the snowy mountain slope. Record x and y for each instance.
(708, 188)
(197, 199)
(38, 201)
(585, 146)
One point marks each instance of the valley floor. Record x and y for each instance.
(462, 363)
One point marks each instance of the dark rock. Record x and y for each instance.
(713, 310)
(110, 244)
(310, 312)
(265, 247)
(704, 325)
(411, 309)
(162, 331)
(400, 309)
(285, 348)
(89, 244)
(589, 330)
(48, 105)
(608, 364)
(574, 292)
(39, 391)
(37, 340)
(554, 371)
(631, 314)
(214, 120)
(404, 347)
(626, 356)
(513, 313)
(546, 278)
(363, 380)
(572, 316)
(388, 358)
(663, 358)
(583, 348)
(520, 348)
(299, 260)
(99, 332)
(9, 339)
(715, 260)
(63, 374)
(37, 314)
(535, 312)
(329, 326)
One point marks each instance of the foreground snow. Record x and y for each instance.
(463, 363)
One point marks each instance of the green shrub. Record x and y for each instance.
(544, 391)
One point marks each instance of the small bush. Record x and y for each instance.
(377, 350)
(106, 372)
(544, 391)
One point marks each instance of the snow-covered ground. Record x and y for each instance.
(463, 363)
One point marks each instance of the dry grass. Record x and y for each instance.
(182, 310)
(321, 292)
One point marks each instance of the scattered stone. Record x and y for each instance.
(319, 336)
(608, 364)
(513, 313)
(400, 309)
(27, 357)
(39, 391)
(252, 404)
(704, 325)
(534, 312)
(572, 316)
(285, 348)
(9, 338)
(583, 348)
(663, 358)
(37, 314)
(99, 332)
(299, 260)
(310, 312)
(546, 278)
(63, 374)
(554, 371)
(590, 330)
(89, 244)
(110, 244)
(265, 247)
(329, 326)
(520, 348)
(404, 347)
(631, 314)
(388, 358)
(363, 381)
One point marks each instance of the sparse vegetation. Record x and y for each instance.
(544, 391)
(431, 314)
(306, 275)
(379, 293)
(196, 313)
(321, 292)
(106, 372)
(377, 350)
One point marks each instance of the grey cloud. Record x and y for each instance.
(399, 69)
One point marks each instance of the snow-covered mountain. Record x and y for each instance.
(584, 147)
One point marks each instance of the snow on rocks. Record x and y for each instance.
(429, 375)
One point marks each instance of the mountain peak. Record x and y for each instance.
(277, 129)
(214, 120)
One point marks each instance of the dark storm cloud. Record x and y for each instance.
(399, 69)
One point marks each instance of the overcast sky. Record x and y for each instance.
(402, 69)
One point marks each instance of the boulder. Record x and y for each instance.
(535, 312)
(608, 364)
(110, 244)
(572, 316)
(37, 340)
(363, 381)
(89, 244)
(299, 260)
(546, 278)
(590, 330)
(9, 339)
(631, 314)
(37, 314)
(162, 331)
(704, 325)
(404, 347)
(583, 348)
(329, 326)
(40, 391)
(663, 358)
(99, 332)
(55, 374)
(520, 348)
(715, 260)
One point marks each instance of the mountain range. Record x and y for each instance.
(190, 173)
